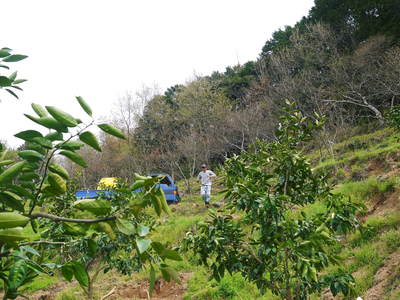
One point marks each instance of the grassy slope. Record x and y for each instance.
(365, 167)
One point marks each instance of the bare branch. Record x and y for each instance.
(109, 293)
(42, 242)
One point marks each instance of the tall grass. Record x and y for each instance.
(363, 191)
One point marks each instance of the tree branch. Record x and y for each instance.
(62, 219)
(42, 242)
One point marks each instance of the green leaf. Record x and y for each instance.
(48, 122)
(5, 81)
(171, 254)
(105, 227)
(137, 185)
(39, 110)
(67, 271)
(13, 76)
(164, 252)
(30, 250)
(12, 235)
(35, 267)
(76, 158)
(158, 247)
(59, 170)
(75, 229)
(16, 87)
(4, 53)
(11, 219)
(55, 136)
(90, 139)
(84, 105)
(18, 81)
(143, 230)
(11, 172)
(29, 176)
(162, 200)
(95, 206)
(12, 93)
(28, 135)
(4, 66)
(142, 245)
(30, 155)
(17, 276)
(93, 248)
(14, 58)
(20, 191)
(80, 273)
(62, 117)
(71, 145)
(36, 147)
(6, 162)
(125, 226)
(12, 200)
(43, 142)
(57, 183)
(170, 273)
(112, 130)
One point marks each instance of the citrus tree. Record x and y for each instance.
(44, 228)
(266, 234)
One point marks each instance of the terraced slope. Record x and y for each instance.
(364, 167)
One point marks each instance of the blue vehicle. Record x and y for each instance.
(167, 185)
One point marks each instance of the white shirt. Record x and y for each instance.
(205, 177)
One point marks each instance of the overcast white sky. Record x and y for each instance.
(101, 49)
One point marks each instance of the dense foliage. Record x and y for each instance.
(342, 60)
(265, 235)
(10, 83)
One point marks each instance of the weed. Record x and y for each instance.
(41, 282)
(364, 279)
(341, 174)
(391, 239)
(364, 190)
(68, 295)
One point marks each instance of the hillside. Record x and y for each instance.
(364, 167)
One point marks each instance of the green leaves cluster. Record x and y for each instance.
(393, 117)
(10, 83)
(272, 242)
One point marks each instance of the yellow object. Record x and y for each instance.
(107, 183)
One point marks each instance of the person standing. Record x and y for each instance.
(205, 177)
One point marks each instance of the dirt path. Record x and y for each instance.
(129, 290)
(163, 289)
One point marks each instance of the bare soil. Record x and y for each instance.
(163, 289)
(132, 289)
(382, 278)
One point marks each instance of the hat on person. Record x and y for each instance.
(204, 166)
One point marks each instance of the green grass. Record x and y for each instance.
(233, 287)
(374, 145)
(391, 239)
(363, 251)
(174, 229)
(362, 191)
(41, 282)
(69, 294)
